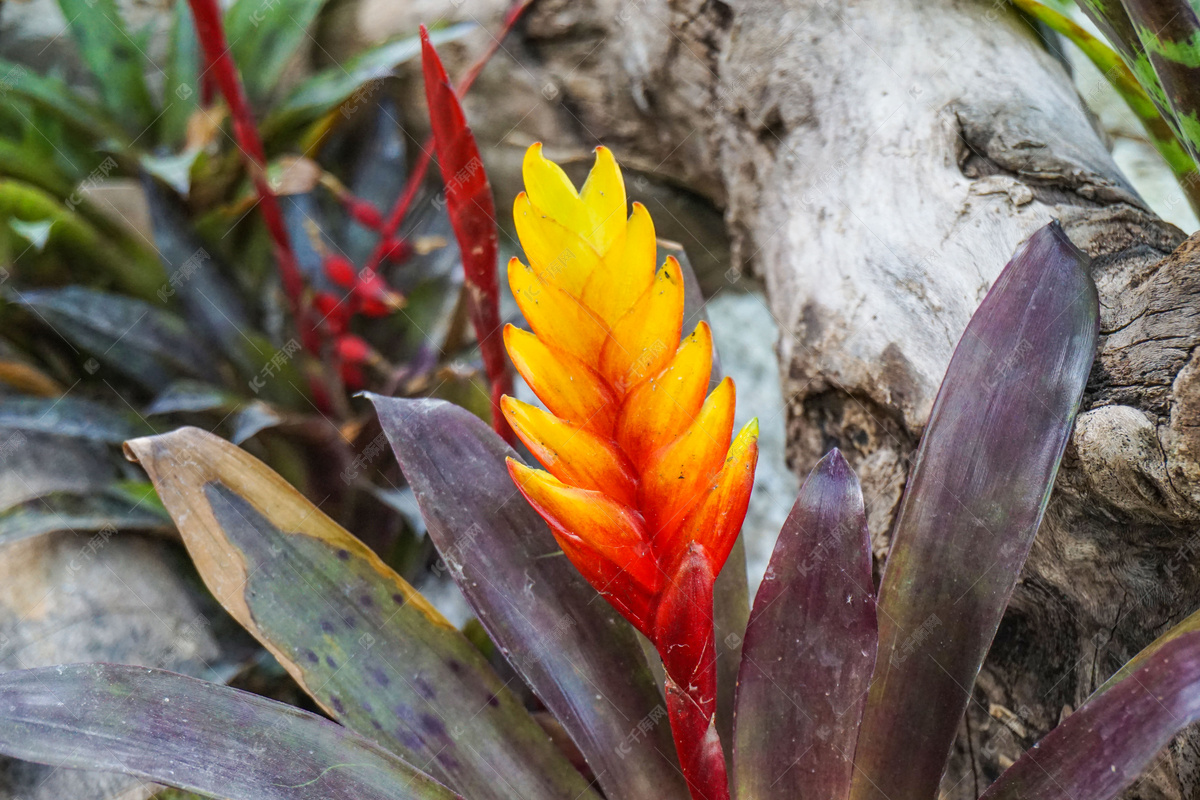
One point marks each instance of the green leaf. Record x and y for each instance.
(264, 36)
(79, 240)
(334, 85)
(65, 104)
(36, 232)
(76, 512)
(368, 648)
(194, 735)
(1122, 79)
(181, 86)
(1169, 32)
(25, 162)
(115, 59)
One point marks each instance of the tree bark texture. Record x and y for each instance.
(878, 162)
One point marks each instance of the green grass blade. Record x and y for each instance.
(116, 60)
(265, 36)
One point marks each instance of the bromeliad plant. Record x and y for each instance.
(839, 694)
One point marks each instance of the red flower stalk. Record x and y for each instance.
(219, 63)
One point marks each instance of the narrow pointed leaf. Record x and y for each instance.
(54, 96)
(198, 280)
(1107, 744)
(473, 215)
(1121, 78)
(367, 647)
(116, 61)
(980, 485)
(810, 647)
(583, 661)
(195, 735)
(264, 38)
(334, 85)
(38, 464)
(1169, 32)
(181, 81)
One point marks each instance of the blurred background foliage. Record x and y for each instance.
(138, 293)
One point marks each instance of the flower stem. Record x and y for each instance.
(683, 634)
(221, 70)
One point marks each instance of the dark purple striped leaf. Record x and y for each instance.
(195, 735)
(369, 649)
(580, 657)
(1108, 743)
(978, 490)
(810, 647)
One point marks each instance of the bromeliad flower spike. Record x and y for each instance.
(643, 489)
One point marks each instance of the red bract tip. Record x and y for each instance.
(334, 313)
(364, 213)
(320, 395)
(352, 377)
(353, 349)
(311, 340)
(339, 270)
(395, 249)
(377, 298)
(472, 214)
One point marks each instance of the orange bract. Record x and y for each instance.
(640, 462)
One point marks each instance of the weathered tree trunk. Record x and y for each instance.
(878, 162)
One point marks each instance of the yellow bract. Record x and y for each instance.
(640, 462)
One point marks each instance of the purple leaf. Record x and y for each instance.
(810, 647)
(196, 736)
(1105, 746)
(570, 646)
(980, 484)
